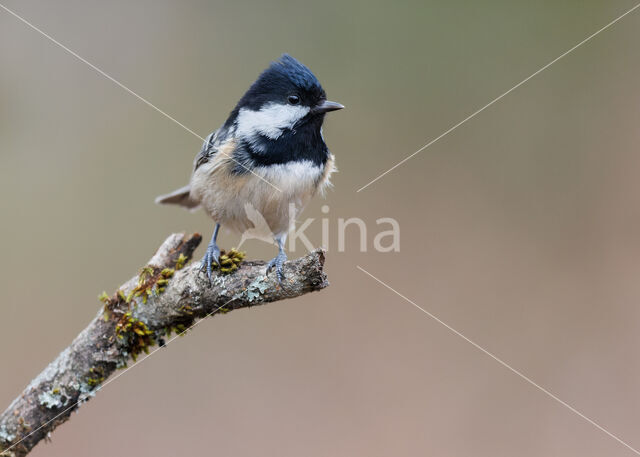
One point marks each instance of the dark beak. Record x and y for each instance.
(326, 106)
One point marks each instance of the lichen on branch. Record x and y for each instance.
(166, 297)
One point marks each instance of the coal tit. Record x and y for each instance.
(269, 156)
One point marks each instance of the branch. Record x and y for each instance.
(164, 299)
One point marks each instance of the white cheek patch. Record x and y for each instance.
(269, 121)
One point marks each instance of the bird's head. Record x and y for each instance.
(285, 97)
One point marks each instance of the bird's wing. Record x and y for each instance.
(209, 148)
(182, 196)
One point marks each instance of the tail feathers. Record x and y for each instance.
(179, 197)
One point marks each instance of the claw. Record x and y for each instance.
(212, 254)
(278, 262)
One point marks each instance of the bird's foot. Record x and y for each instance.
(212, 255)
(277, 262)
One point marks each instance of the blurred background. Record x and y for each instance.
(520, 229)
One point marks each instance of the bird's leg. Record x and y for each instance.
(278, 261)
(212, 254)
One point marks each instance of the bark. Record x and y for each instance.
(164, 300)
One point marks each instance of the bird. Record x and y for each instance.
(268, 156)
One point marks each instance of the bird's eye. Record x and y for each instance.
(293, 99)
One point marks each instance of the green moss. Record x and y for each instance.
(187, 310)
(181, 262)
(151, 280)
(229, 261)
(96, 377)
(110, 304)
(146, 283)
(134, 335)
(167, 272)
(179, 329)
(146, 273)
